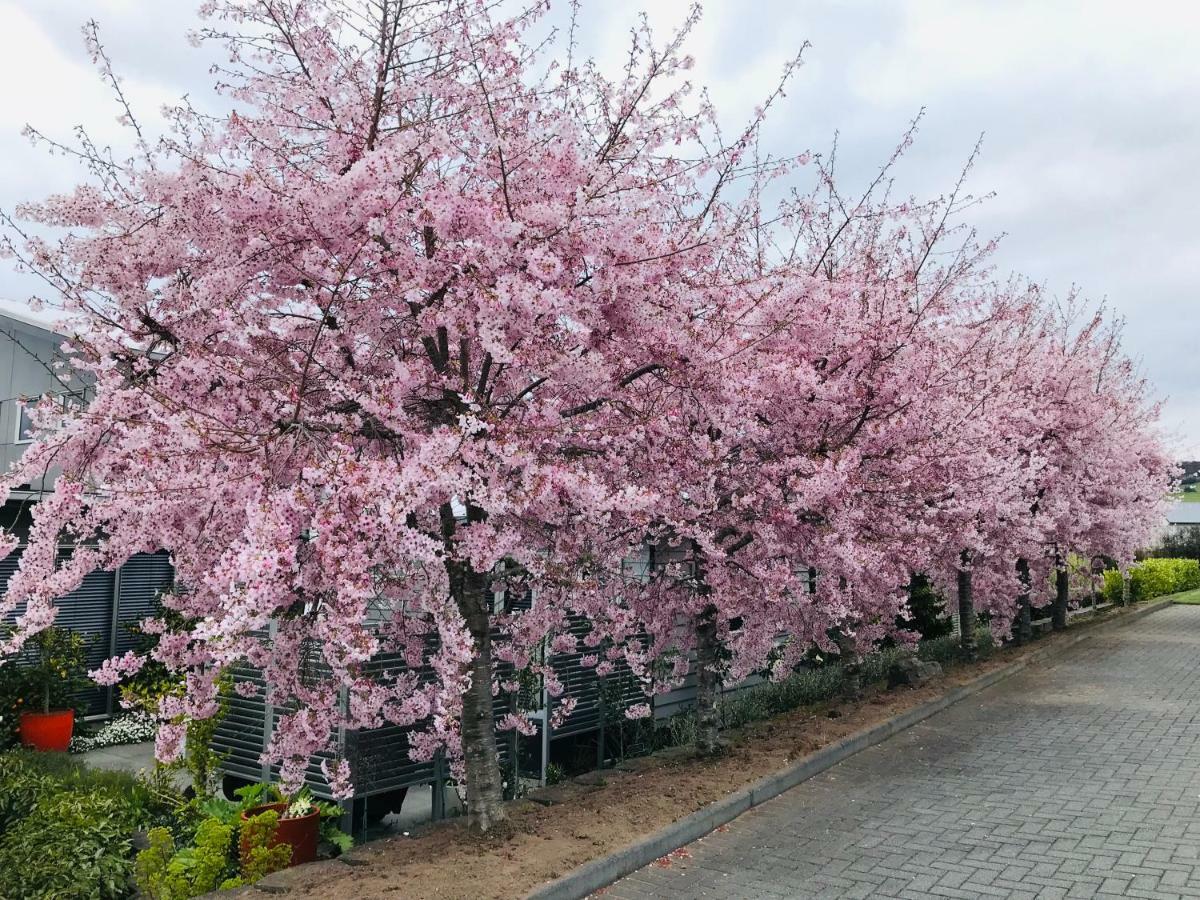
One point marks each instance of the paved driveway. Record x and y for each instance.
(1077, 778)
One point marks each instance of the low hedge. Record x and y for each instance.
(808, 687)
(1152, 578)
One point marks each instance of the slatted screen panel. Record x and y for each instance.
(581, 683)
(143, 579)
(379, 757)
(88, 610)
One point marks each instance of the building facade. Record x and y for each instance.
(107, 606)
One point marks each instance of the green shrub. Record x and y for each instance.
(214, 848)
(1113, 586)
(14, 688)
(73, 845)
(66, 829)
(164, 874)
(257, 859)
(808, 687)
(21, 786)
(28, 776)
(926, 610)
(63, 772)
(1154, 577)
(948, 649)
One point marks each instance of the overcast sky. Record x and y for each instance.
(1090, 111)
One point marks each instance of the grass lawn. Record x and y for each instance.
(1189, 597)
(1186, 497)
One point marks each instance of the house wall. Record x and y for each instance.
(28, 353)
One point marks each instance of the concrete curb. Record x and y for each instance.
(598, 873)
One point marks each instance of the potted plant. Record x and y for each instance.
(299, 824)
(57, 672)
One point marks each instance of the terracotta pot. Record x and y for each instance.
(301, 833)
(47, 731)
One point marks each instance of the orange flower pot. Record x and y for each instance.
(47, 731)
(302, 833)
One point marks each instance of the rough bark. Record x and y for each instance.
(1023, 630)
(966, 610)
(1062, 590)
(709, 666)
(708, 684)
(485, 784)
(851, 667)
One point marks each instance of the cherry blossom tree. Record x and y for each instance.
(409, 312)
(430, 315)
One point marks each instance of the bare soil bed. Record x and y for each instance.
(586, 821)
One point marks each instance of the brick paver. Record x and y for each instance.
(1076, 778)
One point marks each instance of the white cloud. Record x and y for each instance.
(1093, 129)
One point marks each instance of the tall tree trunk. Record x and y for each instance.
(708, 684)
(1023, 632)
(709, 666)
(485, 785)
(966, 610)
(851, 666)
(1062, 594)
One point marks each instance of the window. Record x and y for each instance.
(71, 403)
(24, 424)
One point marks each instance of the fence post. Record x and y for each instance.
(268, 710)
(112, 636)
(602, 708)
(437, 802)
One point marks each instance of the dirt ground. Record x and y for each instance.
(586, 821)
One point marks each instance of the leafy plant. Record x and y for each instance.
(257, 858)
(44, 676)
(59, 772)
(199, 759)
(144, 690)
(14, 688)
(73, 844)
(926, 609)
(20, 787)
(58, 670)
(223, 854)
(331, 833)
(300, 806)
(163, 873)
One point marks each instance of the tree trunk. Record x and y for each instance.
(1062, 591)
(966, 610)
(708, 684)
(485, 785)
(851, 667)
(1023, 632)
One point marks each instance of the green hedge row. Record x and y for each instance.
(1153, 578)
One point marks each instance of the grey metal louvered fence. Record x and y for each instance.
(379, 757)
(104, 609)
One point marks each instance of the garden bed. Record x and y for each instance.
(560, 828)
